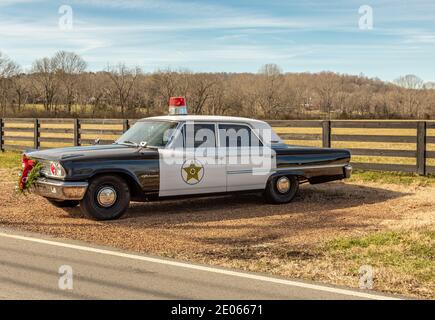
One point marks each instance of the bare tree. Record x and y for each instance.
(429, 85)
(44, 74)
(165, 85)
(21, 86)
(199, 91)
(217, 103)
(123, 91)
(327, 89)
(270, 70)
(95, 88)
(411, 98)
(8, 69)
(410, 81)
(69, 66)
(270, 86)
(123, 79)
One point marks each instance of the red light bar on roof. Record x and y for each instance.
(177, 106)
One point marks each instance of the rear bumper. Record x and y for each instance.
(347, 171)
(60, 190)
(330, 173)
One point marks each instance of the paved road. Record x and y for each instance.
(29, 269)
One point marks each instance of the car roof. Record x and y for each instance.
(204, 118)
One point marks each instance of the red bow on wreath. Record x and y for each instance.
(27, 167)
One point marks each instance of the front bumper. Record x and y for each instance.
(60, 190)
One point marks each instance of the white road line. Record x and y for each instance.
(202, 268)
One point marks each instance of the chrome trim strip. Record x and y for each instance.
(291, 168)
(249, 171)
(324, 166)
(65, 184)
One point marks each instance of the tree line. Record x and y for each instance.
(61, 86)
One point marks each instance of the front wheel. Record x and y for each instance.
(107, 198)
(281, 189)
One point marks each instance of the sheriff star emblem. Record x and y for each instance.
(192, 171)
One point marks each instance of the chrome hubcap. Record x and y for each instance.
(106, 197)
(283, 184)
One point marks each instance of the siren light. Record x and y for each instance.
(177, 106)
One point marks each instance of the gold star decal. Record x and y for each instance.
(192, 172)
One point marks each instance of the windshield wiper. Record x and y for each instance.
(128, 143)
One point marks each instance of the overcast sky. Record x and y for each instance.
(230, 36)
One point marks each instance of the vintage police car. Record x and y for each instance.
(183, 155)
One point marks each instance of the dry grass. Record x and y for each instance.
(324, 235)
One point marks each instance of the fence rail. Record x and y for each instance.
(22, 133)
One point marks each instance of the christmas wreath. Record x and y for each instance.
(29, 174)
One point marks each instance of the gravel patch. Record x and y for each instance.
(239, 231)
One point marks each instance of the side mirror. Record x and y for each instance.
(142, 145)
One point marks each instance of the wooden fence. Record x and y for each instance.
(19, 134)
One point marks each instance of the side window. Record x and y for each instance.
(203, 135)
(178, 141)
(236, 135)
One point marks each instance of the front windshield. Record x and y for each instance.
(154, 133)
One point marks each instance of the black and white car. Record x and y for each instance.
(181, 156)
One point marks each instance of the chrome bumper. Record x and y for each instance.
(61, 190)
(347, 171)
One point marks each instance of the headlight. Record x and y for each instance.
(56, 170)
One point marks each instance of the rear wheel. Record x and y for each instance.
(64, 203)
(281, 189)
(107, 198)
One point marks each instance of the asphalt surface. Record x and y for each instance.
(29, 269)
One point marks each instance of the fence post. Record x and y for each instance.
(326, 134)
(36, 134)
(1, 135)
(421, 148)
(125, 125)
(76, 132)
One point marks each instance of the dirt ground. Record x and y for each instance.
(242, 231)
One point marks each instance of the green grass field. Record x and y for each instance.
(10, 160)
(408, 252)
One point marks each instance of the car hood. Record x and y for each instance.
(96, 151)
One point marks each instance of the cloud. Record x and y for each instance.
(223, 35)
(419, 38)
(179, 7)
(5, 3)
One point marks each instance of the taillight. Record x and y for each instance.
(53, 169)
(56, 169)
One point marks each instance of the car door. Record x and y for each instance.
(190, 164)
(248, 160)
